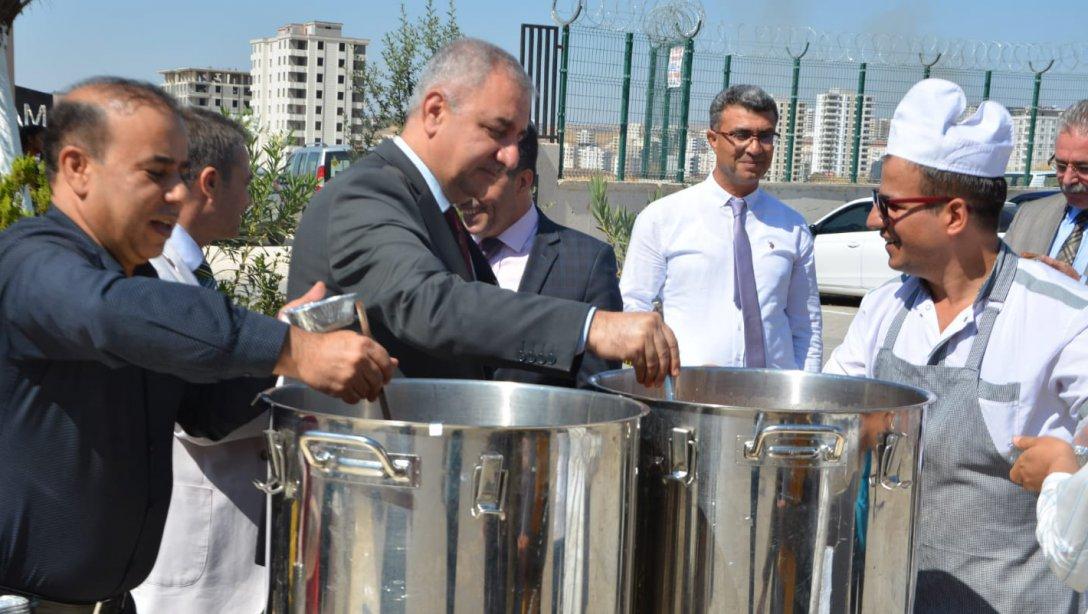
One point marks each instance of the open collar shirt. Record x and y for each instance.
(681, 251)
(1039, 341)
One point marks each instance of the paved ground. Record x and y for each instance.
(838, 312)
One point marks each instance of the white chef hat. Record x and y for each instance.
(926, 129)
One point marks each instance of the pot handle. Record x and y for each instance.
(278, 480)
(682, 451)
(895, 470)
(319, 449)
(813, 448)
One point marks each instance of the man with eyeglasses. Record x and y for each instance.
(732, 265)
(1050, 229)
(1001, 341)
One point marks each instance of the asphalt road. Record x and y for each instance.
(838, 312)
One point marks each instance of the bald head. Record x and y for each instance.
(81, 118)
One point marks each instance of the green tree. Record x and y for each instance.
(615, 222)
(400, 50)
(27, 177)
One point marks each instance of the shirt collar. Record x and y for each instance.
(722, 197)
(428, 176)
(186, 248)
(521, 232)
(1071, 213)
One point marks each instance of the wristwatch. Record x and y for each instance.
(1081, 452)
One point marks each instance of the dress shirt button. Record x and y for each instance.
(551, 359)
(521, 356)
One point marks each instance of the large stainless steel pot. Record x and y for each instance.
(476, 497)
(749, 486)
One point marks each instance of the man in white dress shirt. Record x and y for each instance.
(528, 252)
(1001, 341)
(732, 265)
(206, 562)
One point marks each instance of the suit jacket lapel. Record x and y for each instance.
(542, 257)
(445, 244)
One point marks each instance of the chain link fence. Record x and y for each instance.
(635, 110)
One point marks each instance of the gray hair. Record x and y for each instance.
(1074, 119)
(751, 97)
(215, 140)
(464, 65)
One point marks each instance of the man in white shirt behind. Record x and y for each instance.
(732, 265)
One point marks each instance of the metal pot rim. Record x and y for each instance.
(655, 402)
(640, 408)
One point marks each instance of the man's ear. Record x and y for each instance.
(957, 215)
(206, 182)
(73, 168)
(434, 109)
(525, 179)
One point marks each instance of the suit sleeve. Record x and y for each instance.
(379, 250)
(803, 308)
(58, 306)
(602, 291)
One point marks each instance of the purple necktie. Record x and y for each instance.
(744, 288)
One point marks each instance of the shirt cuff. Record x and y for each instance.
(585, 331)
(260, 341)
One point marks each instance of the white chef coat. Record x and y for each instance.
(509, 262)
(1040, 340)
(681, 251)
(206, 560)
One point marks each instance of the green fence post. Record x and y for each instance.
(1034, 116)
(859, 108)
(791, 127)
(561, 121)
(986, 85)
(727, 72)
(625, 100)
(664, 158)
(685, 104)
(648, 118)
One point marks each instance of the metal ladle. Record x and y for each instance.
(331, 314)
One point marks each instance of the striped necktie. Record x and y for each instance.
(1071, 246)
(204, 276)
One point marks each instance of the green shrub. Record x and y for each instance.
(29, 173)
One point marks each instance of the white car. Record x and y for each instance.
(850, 258)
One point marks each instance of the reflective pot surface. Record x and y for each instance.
(775, 491)
(475, 497)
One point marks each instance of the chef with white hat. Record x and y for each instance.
(1001, 341)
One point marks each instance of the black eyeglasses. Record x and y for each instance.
(743, 138)
(884, 204)
(1060, 166)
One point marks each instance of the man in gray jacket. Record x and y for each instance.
(1051, 229)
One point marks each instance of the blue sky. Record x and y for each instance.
(60, 41)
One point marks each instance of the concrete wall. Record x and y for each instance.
(567, 201)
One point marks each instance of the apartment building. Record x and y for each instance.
(303, 82)
(833, 134)
(1046, 131)
(209, 88)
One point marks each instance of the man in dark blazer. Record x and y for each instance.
(385, 228)
(1051, 228)
(530, 253)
